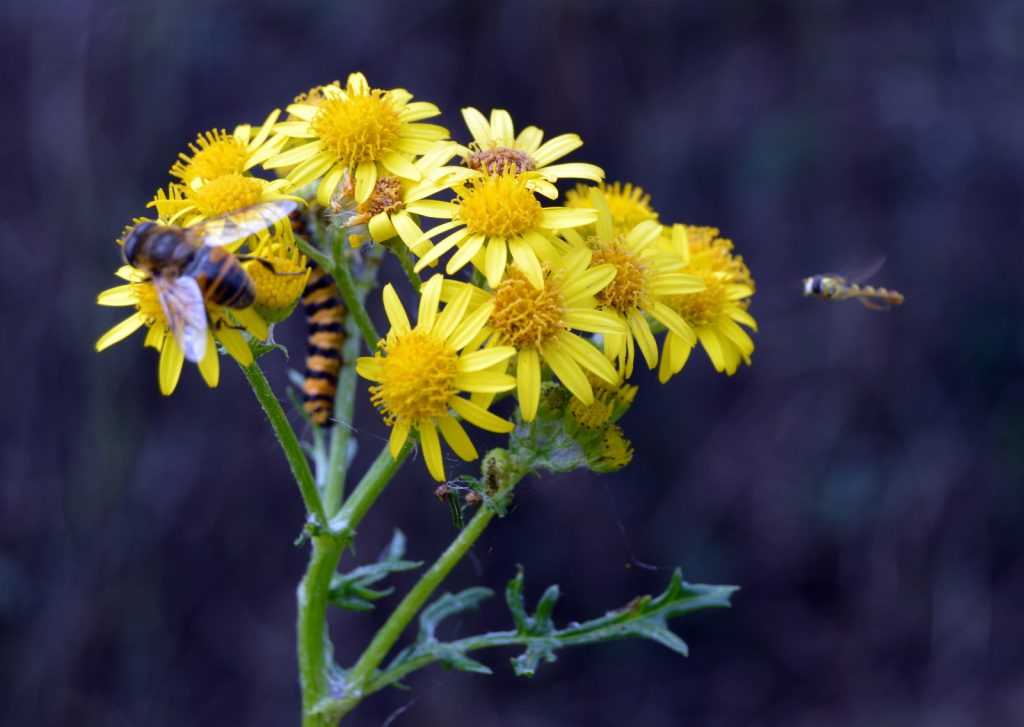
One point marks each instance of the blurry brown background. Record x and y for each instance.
(863, 481)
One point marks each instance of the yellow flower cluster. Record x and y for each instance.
(535, 291)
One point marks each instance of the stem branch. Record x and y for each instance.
(289, 442)
(359, 677)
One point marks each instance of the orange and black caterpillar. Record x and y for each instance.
(325, 315)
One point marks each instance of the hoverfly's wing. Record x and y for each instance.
(862, 272)
(182, 301)
(239, 224)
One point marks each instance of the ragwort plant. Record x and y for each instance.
(532, 330)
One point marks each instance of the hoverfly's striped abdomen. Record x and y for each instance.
(221, 278)
(325, 314)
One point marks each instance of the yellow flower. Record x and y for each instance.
(279, 274)
(496, 215)
(216, 153)
(389, 210)
(715, 313)
(419, 373)
(627, 204)
(227, 193)
(538, 324)
(495, 148)
(616, 451)
(141, 294)
(644, 279)
(368, 132)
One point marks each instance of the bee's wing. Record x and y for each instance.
(185, 312)
(239, 224)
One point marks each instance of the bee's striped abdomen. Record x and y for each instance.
(325, 314)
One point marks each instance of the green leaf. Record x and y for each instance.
(451, 654)
(259, 348)
(449, 605)
(645, 617)
(352, 591)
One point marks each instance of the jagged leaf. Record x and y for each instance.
(448, 605)
(644, 617)
(352, 591)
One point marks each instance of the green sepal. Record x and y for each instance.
(351, 591)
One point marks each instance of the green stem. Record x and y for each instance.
(316, 664)
(367, 492)
(341, 434)
(343, 277)
(402, 253)
(317, 671)
(359, 678)
(289, 442)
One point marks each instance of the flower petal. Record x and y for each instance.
(120, 332)
(395, 311)
(568, 372)
(399, 433)
(479, 416)
(366, 178)
(485, 359)
(457, 438)
(528, 382)
(171, 360)
(484, 382)
(432, 451)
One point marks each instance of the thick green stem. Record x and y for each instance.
(359, 678)
(289, 442)
(316, 666)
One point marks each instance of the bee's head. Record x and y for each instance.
(132, 243)
(812, 285)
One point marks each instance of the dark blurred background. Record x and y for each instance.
(863, 481)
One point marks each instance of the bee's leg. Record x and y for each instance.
(223, 323)
(267, 264)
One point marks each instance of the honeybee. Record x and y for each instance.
(836, 287)
(189, 266)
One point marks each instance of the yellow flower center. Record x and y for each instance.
(628, 290)
(524, 315)
(628, 205)
(358, 128)
(499, 158)
(277, 290)
(499, 206)
(705, 307)
(710, 251)
(387, 196)
(226, 193)
(417, 378)
(148, 303)
(214, 154)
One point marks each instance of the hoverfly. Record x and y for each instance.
(189, 265)
(837, 287)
